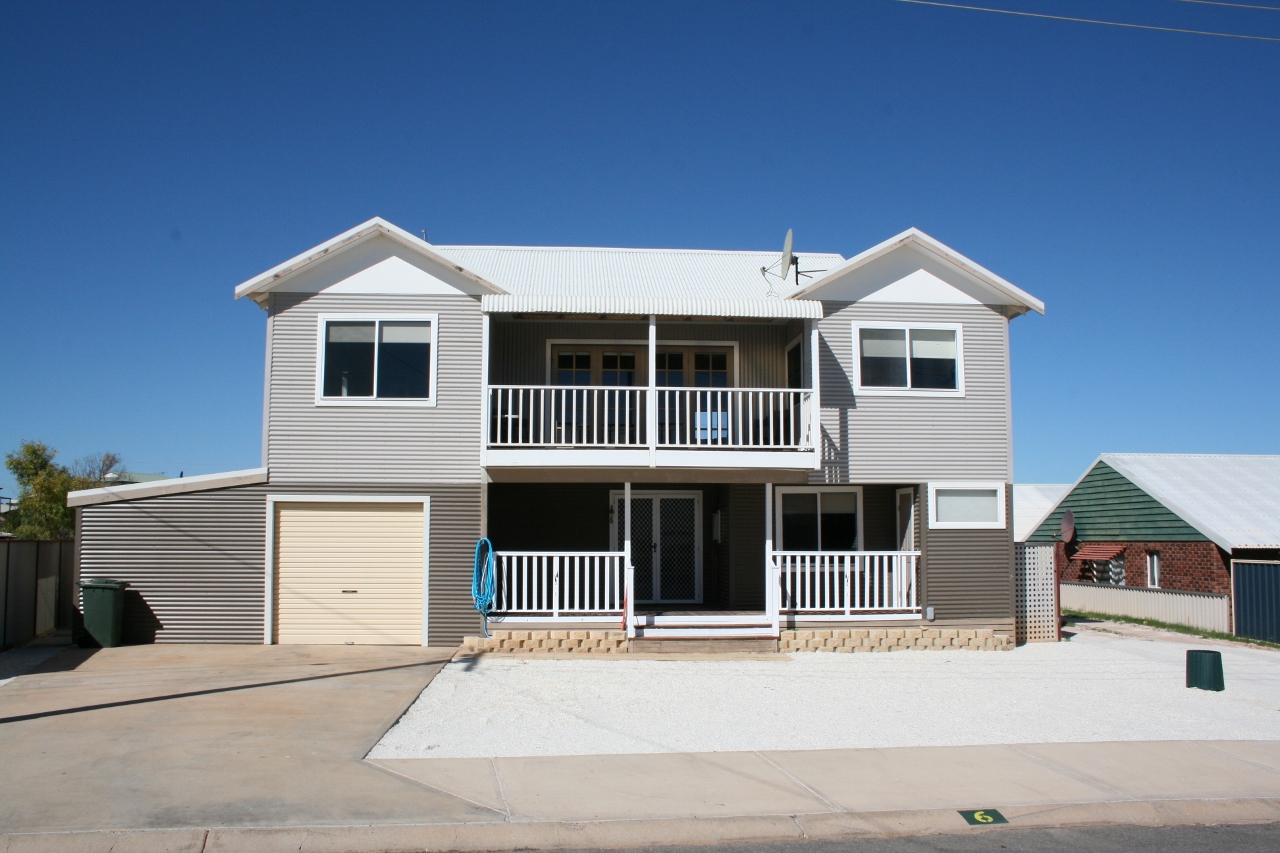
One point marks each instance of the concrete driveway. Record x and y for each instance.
(199, 736)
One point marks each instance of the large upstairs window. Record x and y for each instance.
(366, 360)
(909, 360)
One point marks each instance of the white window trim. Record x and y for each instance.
(779, 491)
(999, 524)
(269, 595)
(1153, 562)
(391, 317)
(874, 391)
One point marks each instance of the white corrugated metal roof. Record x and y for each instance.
(1031, 503)
(665, 306)
(1234, 500)
(635, 281)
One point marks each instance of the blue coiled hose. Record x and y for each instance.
(483, 582)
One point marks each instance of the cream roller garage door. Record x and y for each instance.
(349, 573)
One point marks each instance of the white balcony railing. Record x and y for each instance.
(736, 418)
(576, 416)
(841, 584)
(523, 416)
(555, 585)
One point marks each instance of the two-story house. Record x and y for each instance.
(658, 444)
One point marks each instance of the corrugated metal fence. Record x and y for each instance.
(1037, 600)
(36, 588)
(1257, 594)
(1193, 609)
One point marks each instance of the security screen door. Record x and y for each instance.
(665, 544)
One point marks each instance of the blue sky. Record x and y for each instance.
(154, 156)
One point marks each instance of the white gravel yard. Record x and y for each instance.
(1097, 687)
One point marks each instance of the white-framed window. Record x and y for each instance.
(377, 359)
(914, 360)
(967, 506)
(818, 518)
(1153, 569)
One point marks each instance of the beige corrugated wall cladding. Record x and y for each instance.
(349, 573)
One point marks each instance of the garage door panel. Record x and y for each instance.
(374, 549)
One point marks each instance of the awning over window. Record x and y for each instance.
(1097, 552)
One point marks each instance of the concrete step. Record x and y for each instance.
(704, 645)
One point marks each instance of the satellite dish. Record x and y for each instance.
(788, 258)
(1068, 526)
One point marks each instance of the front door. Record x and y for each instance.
(666, 544)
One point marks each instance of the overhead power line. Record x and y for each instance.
(1086, 20)
(1232, 5)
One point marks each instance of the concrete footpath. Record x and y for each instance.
(262, 749)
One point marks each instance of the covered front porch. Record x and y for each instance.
(701, 559)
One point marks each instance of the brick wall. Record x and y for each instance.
(1189, 566)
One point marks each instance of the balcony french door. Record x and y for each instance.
(666, 544)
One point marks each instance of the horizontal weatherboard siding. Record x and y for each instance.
(196, 562)
(519, 347)
(307, 443)
(969, 574)
(915, 438)
(1108, 507)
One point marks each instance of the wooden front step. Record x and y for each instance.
(703, 645)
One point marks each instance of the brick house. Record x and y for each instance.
(1170, 521)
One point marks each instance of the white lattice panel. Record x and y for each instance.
(1037, 582)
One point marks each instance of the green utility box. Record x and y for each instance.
(1204, 670)
(102, 601)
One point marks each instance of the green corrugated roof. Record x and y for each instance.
(1109, 508)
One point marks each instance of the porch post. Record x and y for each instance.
(771, 593)
(629, 571)
(815, 397)
(651, 410)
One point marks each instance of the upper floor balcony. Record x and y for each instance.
(679, 393)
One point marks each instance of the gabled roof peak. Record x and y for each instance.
(259, 285)
(916, 238)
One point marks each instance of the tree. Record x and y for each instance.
(41, 510)
(95, 468)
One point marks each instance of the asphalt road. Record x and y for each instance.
(1092, 839)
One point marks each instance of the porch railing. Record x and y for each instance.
(836, 584)
(568, 416)
(688, 418)
(549, 584)
(737, 418)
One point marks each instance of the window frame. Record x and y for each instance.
(779, 491)
(1154, 569)
(1001, 506)
(881, 391)
(322, 324)
(734, 369)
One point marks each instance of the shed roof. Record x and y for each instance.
(172, 486)
(1032, 502)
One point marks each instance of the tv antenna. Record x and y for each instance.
(781, 269)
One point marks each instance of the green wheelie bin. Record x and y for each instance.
(102, 602)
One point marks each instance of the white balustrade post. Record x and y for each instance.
(555, 586)
(772, 591)
(651, 407)
(815, 397)
(630, 591)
